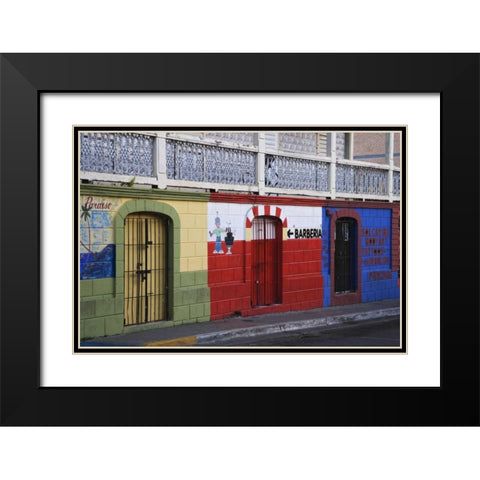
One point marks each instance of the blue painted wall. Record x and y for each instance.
(379, 282)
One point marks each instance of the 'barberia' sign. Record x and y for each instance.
(305, 233)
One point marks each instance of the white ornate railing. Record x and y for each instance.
(361, 180)
(210, 163)
(117, 153)
(396, 183)
(296, 173)
(238, 161)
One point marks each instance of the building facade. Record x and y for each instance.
(192, 226)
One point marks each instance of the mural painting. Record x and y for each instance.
(97, 248)
(217, 232)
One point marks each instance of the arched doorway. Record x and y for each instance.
(345, 255)
(266, 260)
(145, 284)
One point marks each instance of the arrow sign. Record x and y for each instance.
(289, 233)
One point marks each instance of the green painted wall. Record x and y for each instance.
(101, 305)
(102, 300)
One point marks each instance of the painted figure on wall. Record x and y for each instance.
(218, 230)
(229, 238)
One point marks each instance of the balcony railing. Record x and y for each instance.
(361, 180)
(123, 154)
(296, 173)
(210, 163)
(239, 161)
(396, 183)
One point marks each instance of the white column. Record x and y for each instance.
(261, 163)
(333, 165)
(389, 147)
(160, 160)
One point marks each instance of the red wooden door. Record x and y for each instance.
(266, 261)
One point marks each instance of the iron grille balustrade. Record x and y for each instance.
(120, 153)
(396, 183)
(296, 173)
(208, 163)
(361, 180)
(245, 138)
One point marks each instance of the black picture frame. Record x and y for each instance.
(24, 77)
(401, 346)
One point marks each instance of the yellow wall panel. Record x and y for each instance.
(185, 207)
(201, 249)
(200, 221)
(195, 263)
(180, 207)
(188, 250)
(183, 264)
(193, 234)
(196, 235)
(198, 208)
(184, 236)
(189, 221)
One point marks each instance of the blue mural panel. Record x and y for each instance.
(98, 264)
(97, 248)
(101, 219)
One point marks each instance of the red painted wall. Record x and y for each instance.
(302, 274)
(229, 278)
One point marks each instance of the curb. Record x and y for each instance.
(204, 338)
(173, 342)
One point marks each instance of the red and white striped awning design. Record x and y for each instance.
(265, 210)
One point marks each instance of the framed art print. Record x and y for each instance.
(148, 192)
(205, 370)
(233, 237)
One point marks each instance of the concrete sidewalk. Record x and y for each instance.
(244, 327)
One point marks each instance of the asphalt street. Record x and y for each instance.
(316, 327)
(383, 332)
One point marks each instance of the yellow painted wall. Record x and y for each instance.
(193, 234)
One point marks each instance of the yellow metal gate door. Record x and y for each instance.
(145, 269)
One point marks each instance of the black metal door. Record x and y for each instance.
(345, 256)
(145, 269)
